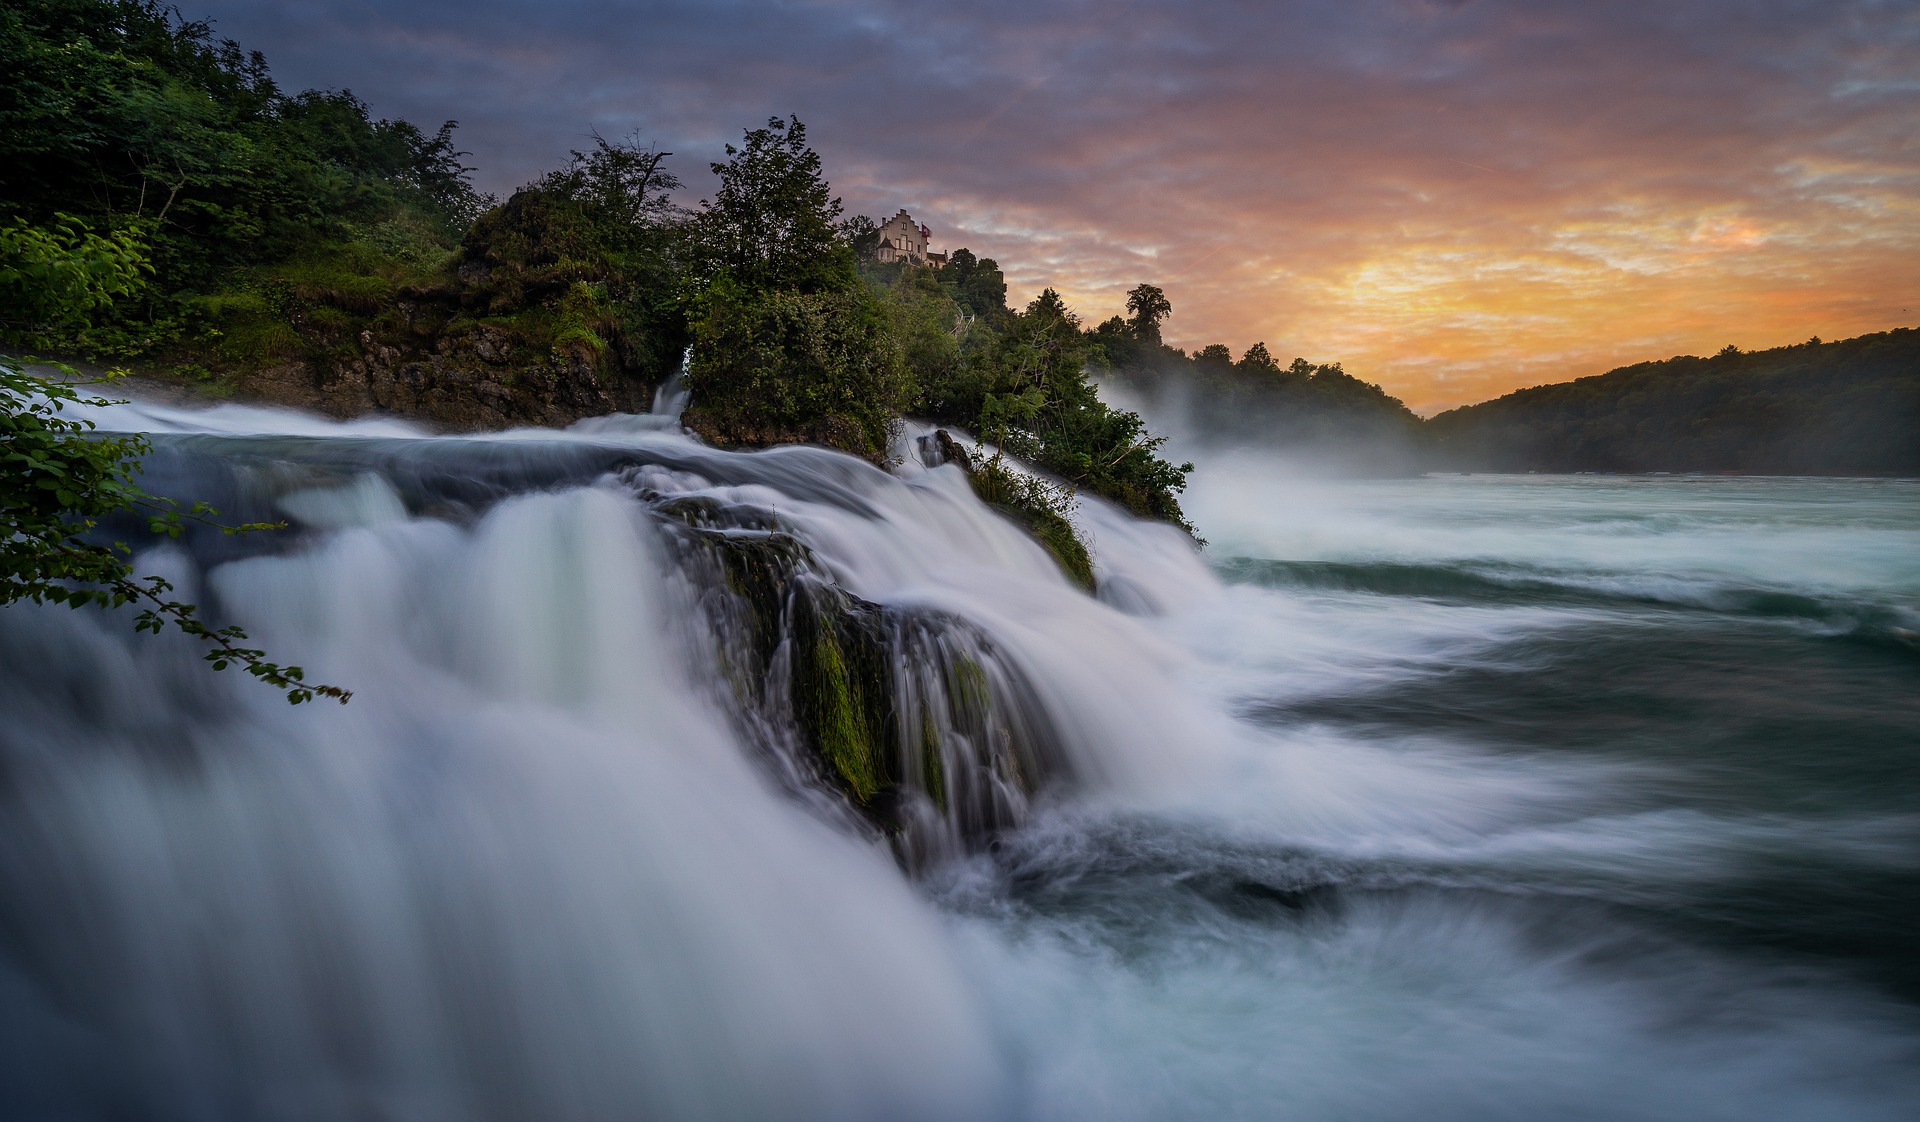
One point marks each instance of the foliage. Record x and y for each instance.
(603, 226)
(52, 280)
(1046, 411)
(977, 285)
(1147, 306)
(119, 116)
(772, 366)
(1019, 380)
(1845, 408)
(773, 220)
(57, 482)
(620, 188)
(1043, 509)
(861, 235)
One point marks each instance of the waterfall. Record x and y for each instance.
(682, 784)
(670, 400)
(642, 734)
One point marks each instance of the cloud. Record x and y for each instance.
(1454, 198)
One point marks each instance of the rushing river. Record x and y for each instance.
(1447, 798)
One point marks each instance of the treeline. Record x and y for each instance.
(1845, 408)
(1815, 408)
(292, 247)
(1313, 412)
(119, 118)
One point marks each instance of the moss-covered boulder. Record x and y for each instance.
(928, 734)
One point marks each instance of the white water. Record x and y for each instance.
(532, 871)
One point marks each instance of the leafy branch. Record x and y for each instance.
(58, 479)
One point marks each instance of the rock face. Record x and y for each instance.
(477, 379)
(525, 325)
(932, 736)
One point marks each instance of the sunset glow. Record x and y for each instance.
(1453, 199)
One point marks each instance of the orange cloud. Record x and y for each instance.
(1453, 198)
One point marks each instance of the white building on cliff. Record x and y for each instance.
(903, 239)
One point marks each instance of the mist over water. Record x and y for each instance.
(1458, 798)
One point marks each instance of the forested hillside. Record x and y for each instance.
(1845, 408)
(294, 248)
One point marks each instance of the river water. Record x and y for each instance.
(1444, 798)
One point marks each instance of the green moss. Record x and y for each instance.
(840, 721)
(968, 697)
(258, 340)
(1037, 507)
(581, 319)
(1055, 534)
(933, 772)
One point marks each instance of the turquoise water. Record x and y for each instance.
(1560, 797)
(1455, 798)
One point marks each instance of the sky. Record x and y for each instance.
(1453, 198)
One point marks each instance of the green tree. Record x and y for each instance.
(59, 480)
(54, 278)
(1214, 357)
(773, 221)
(1042, 408)
(125, 115)
(1258, 361)
(620, 186)
(1146, 307)
(772, 366)
(861, 235)
(978, 285)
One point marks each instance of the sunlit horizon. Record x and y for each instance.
(1452, 199)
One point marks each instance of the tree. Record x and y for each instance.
(983, 288)
(780, 366)
(1258, 361)
(1214, 356)
(861, 235)
(772, 222)
(1147, 306)
(125, 114)
(58, 480)
(619, 185)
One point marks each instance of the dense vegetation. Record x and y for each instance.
(299, 250)
(1845, 408)
(119, 118)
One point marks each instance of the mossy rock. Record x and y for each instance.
(1055, 535)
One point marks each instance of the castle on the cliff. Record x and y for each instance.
(902, 239)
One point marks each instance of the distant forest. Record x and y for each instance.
(1815, 408)
(1845, 408)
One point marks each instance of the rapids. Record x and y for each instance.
(1443, 798)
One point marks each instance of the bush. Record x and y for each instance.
(772, 367)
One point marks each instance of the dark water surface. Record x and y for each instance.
(1569, 797)
(1448, 798)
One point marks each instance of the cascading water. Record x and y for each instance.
(682, 783)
